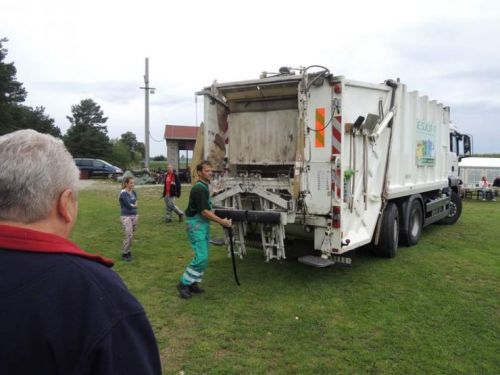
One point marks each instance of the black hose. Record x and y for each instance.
(241, 216)
(230, 230)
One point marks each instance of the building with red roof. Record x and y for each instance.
(180, 140)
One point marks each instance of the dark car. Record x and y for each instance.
(96, 168)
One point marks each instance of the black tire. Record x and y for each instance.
(414, 224)
(455, 210)
(389, 233)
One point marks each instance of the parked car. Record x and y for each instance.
(96, 168)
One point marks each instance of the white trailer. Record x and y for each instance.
(345, 163)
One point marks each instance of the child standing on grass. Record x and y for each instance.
(128, 215)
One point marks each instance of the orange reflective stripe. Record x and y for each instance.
(320, 127)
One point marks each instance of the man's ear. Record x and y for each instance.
(67, 206)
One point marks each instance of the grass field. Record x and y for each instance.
(434, 309)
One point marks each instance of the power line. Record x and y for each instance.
(156, 140)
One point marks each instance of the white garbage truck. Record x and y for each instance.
(303, 153)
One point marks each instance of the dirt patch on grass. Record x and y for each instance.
(85, 184)
(99, 184)
(106, 184)
(175, 354)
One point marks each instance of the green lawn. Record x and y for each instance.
(434, 309)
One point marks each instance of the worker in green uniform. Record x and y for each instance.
(199, 214)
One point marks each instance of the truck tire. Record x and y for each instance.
(455, 210)
(389, 233)
(414, 224)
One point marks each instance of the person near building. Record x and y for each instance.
(171, 190)
(199, 215)
(63, 310)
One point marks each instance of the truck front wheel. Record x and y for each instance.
(389, 233)
(414, 226)
(455, 210)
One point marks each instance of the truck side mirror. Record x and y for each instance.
(467, 145)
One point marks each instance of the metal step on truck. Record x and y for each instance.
(303, 153)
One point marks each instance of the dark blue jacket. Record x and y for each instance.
(67, 314)
(126, 201)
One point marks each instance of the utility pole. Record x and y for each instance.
(147, 91)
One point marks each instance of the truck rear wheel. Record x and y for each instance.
(455, 210)
(389, 233)
(414, 223)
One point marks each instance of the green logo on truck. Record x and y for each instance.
(426, 142)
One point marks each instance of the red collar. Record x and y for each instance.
(29, 240)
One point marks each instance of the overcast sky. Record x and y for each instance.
(66, 51)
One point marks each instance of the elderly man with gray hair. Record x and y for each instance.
(63, 311)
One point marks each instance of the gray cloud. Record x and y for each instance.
(476, 82)
(490, 74)
(118, 92)
(112, 91)
(448, 43)
(171, 100)
(481, 119)
(477, 107)
(464, 71)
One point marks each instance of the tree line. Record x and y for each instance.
(87, 135)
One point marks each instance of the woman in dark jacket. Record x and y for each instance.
(172, 190)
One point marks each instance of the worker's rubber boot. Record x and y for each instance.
(194, 288)
(184, 292)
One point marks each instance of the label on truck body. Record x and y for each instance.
(426, 143)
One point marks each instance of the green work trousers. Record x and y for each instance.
(198, 231)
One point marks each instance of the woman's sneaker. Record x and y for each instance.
(127, 257)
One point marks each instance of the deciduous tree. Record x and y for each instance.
(130, 139)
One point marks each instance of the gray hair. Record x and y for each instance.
(35, 169)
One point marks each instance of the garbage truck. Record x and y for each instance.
(303, 153)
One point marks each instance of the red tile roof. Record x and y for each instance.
(180, 132)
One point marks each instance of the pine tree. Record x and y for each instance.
(87, 135)
(13, 114)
